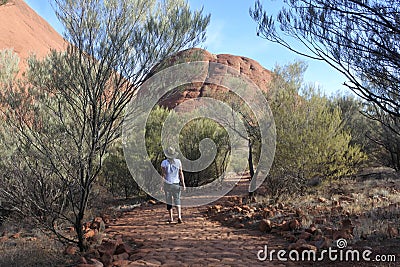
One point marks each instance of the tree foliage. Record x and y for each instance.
(386, 134)
(311, 141)
(115, 175)
(71, 109)
(252, 134)
(371, 128)
(8, 66)
(190, 137)
(358, 38)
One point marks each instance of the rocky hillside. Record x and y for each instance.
(248, 67)
(23, 30)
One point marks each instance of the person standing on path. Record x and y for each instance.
(173, 179)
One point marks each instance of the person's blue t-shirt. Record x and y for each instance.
(171, 170)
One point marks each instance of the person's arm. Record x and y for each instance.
(162, 177)
(162, 174)
(182, 177)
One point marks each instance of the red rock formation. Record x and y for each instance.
(23, 30)
(248, 67)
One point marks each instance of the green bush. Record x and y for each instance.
(311, 141)
(189, 139)
(116, 176)
(9, 61)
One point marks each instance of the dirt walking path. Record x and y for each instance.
(199, 241)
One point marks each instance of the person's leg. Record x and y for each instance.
(168, 198)
(177, 201)
(171, 216)
(179, 210)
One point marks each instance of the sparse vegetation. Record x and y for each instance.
(347, 209)
(311, 140)
(32, 251)
(189, 138)
(8, 66)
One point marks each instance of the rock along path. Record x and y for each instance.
(199, 241)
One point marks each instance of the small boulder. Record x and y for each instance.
(237, 209)
(265, 226)
(294, 224)
(70, 250)
(284, 226)
(98, 224)
(122, 256)
(392, 231)
(107, 247)
(305, 235)
(123, 248)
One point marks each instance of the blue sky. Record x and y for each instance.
(232, 31)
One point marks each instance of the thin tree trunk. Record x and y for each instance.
(251, 170)
(250, 159)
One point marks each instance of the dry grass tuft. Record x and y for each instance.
(372, 204)
(32, 251)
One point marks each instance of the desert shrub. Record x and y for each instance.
(384, 132)
(311, 141)
(115, 174)
(35, 251)
(374, 138)
(8, 66)
(189, 140)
